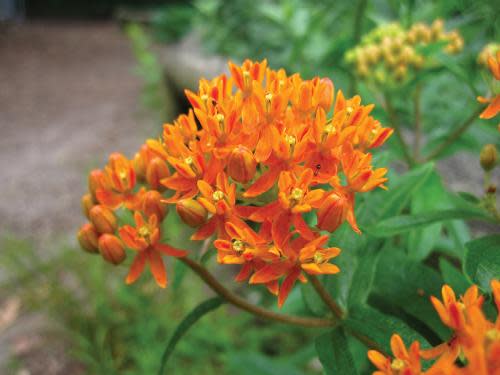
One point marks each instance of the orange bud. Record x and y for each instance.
(326, 99)
(152, 204)
(103, 219)
(191, 212)
(241, 164)
(96, 177)
(111, 249)
(87, 204)
(88, 237)
(139, 165)
(157, 170)
(331, 213)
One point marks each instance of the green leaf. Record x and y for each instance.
(482, 261)
(334, 354)
(407, 285)
(363, 278)
(244, 363)
(453, 276)
(198, 312)
(391, 202)
(312, 301)
(404, 223)
(339, 285)
(429, 197)
(377, 327)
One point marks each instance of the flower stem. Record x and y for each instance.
(356, 35)
(418, 122)
(454, 135)
(393, 118)
(237, 301)
(326, 297)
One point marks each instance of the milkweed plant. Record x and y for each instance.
(284, 178)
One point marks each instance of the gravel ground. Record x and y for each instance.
(68, 97)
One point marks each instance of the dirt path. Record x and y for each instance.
(68, 97)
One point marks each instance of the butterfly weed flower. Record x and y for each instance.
(473, 349)
(258, 156)
(493, 107)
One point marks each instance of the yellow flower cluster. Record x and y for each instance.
(488, 50)
(390, 55)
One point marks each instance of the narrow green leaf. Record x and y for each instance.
(244, 363)
(198, 312)
(339, 285)
(363, 278)
(404, 223)
(393, 201)
(482, 261)
(378, 327)
(453, 276)
(334, 354)
(407, 285)
(431, 196)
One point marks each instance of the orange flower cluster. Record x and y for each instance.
(256, 154)
(493, 103)
(475, 342)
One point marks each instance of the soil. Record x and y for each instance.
(68, 97)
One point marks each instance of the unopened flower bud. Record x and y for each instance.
(241, 164)
(152, 205)
(326, 98)
(111, 249)
(140, 162)
(191, 212)
(87, 204)
(362, 70)
(331, 213)
(488, 157)
(156, 171)
(96, 177)
(88, 238)
(103, 219)
(418, 61)
(400, 72)
(437, 28)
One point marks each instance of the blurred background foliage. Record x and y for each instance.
(119, 329)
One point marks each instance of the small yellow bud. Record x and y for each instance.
(488, 157)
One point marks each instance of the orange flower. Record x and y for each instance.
(359, 173)
(117, 183)
(144, 238)
(220, 202)
(494, 103)
(292, 256)
(404, 362)
(254, 147)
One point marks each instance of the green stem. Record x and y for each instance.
(393, 118)
(418, 124)
(454, 135)
(326, 297)
(356, 35)
(237, 301)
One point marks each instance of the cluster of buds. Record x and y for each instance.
(265, 164)
(391, 55)
(475, 342)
